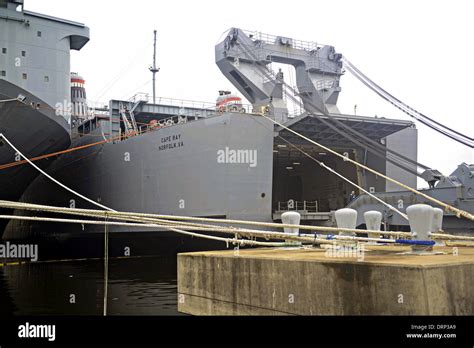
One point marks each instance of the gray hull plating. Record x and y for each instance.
(186, 169)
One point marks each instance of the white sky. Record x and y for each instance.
(420, 51)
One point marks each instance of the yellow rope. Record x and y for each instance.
(166, 221)
(459, 213)
(129, 215)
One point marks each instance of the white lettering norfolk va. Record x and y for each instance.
(37, 331)
(230, 156)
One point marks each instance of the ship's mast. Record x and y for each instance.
(154, 69)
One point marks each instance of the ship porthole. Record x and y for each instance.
(263, 195)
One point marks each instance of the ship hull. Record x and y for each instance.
(33, 130)
(179, 170)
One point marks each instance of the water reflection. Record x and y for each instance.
(137, 286)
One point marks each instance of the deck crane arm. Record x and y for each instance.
(318, 68)
(244, 58)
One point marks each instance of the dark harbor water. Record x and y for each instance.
(137, 286)
(142, 277)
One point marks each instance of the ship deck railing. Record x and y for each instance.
(309, 211)
(299, 206)
(273, 39)
(185, 103)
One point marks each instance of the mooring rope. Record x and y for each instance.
(106, 265)
(302, 238)
(322, 164)
(389, 206)
(226, 240)
(458, 212)
(250, 233)
(116, 214)
(167, 220)
(310, 239)
(51, 178)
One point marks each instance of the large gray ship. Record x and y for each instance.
(34, 90)
(221, 160)
(228, 160)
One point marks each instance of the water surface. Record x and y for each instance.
(137, 286)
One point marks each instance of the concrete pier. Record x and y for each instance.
(379, 281)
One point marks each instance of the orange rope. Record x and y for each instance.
(17, 163)
(14, 164)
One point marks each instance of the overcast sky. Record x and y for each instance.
(420, 51)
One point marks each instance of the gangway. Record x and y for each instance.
(126, 111)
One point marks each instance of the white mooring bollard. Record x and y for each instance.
(437, 225)
(373, 221)
(291, 218)
(346, 218)
(421, 224)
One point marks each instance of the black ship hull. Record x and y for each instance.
(34, 129)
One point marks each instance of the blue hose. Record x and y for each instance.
(415, 242)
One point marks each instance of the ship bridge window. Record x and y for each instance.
(4, 50)
(25, 76)
(39, 33)
(23, 53)
(3, 73)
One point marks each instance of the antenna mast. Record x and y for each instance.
(154, 69)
